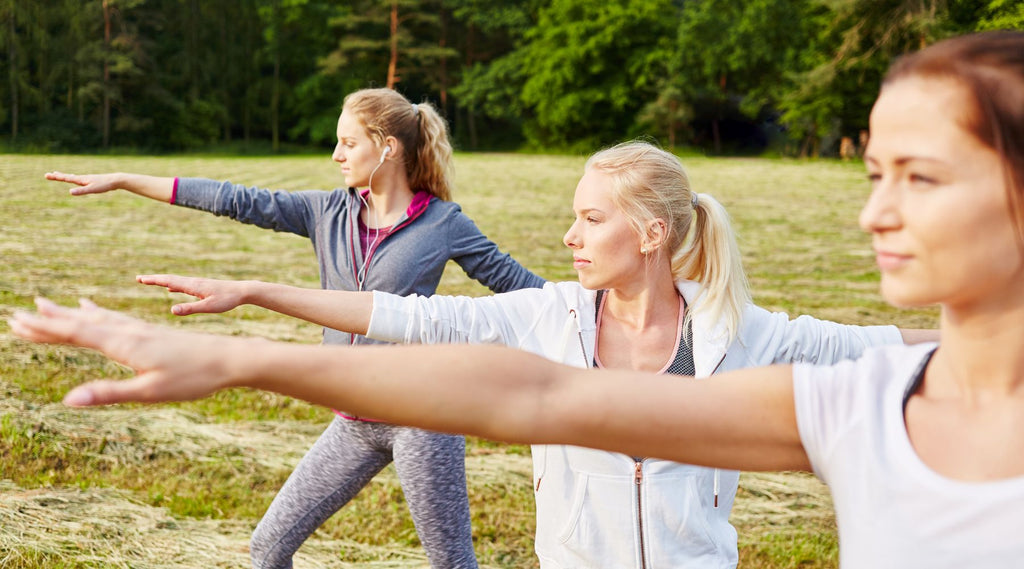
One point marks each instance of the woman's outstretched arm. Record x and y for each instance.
(742, 420)
(346, 311)
(153, 187)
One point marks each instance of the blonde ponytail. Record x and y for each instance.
(712, 258)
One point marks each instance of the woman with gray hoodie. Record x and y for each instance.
(392, 229)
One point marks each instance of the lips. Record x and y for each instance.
(888, 261)
(578, 263)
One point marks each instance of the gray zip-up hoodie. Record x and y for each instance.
(409, 260)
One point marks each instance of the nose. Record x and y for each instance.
(571, 239)
(881, 212)
(339, 154)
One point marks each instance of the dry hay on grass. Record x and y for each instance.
(105, 528)
(128, 436)
(131, 436)
(781, 503)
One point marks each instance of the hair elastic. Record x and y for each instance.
(415, 109)
(693, 199)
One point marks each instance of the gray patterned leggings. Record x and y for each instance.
(431, 468)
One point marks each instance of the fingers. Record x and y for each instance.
(173, 283)
(144, 388)
(215, 296)
(89, 184)
(211, 305)
(52, 329)
(61, 177)
(86, 327)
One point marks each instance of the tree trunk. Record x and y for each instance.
(393, 59)
(444, 64)
(673, 108)
(225, 75)
(716, 137)
(275, 98)
(12, 54)
(470, 58)
(106, 74)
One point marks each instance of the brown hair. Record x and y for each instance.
(990, 68)
(421, 130)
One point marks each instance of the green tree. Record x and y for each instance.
(492, 75)
(1003, 15)
(732, 54)
(831, 90)
(589, 69)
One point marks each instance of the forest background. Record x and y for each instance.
(788, 77)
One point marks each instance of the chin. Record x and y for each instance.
(589, 283)
(902, 297)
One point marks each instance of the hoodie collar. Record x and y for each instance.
(419, 203)
(710, 339)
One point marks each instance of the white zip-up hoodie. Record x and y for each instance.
(604, 509)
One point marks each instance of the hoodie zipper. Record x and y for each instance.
(638, 479)
(718, 472)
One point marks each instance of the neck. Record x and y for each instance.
(982, 349)
(388, 199)
(651, 300)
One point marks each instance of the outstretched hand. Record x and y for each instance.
(88, 183)
(215, 295)
(170, 365)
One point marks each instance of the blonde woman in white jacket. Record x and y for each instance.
(667, 305)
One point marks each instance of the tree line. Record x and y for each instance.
(267, 75)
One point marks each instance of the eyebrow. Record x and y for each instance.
(903, 160)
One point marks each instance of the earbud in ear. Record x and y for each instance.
(385, 153)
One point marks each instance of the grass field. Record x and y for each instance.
(183, 485)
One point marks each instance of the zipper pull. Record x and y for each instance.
(537, 488)
(717, 485)
(638, 472)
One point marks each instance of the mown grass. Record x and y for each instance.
(213, 466)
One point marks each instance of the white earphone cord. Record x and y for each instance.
(361, 273)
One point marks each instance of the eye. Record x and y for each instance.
(874, 177)
(920, 179)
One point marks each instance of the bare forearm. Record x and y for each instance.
(341, 310)
(153, 187)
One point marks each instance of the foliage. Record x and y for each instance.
(723, 75)
(589, 69)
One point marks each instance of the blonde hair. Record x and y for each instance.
(421, 130)
(649, 183)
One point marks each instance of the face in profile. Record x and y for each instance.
(356, 152)
(605, 247)
(938, 212)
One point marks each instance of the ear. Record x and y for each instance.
(657, 234)
(396, 147)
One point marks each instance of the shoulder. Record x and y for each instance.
(877, 370)
(439, 207)
(839, 407)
